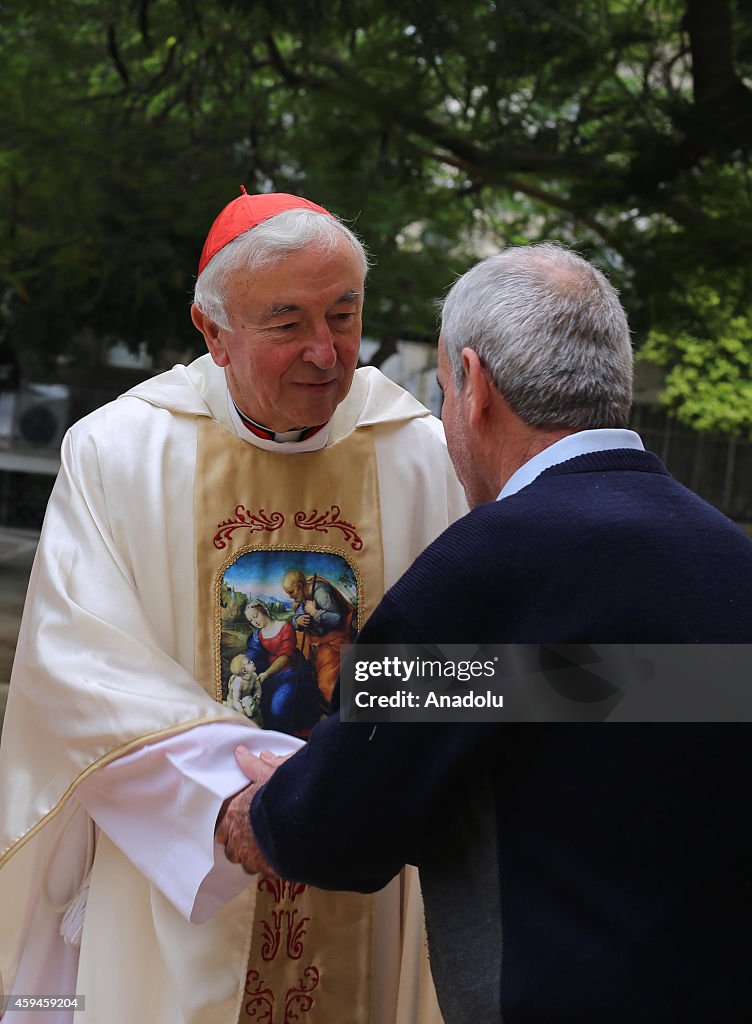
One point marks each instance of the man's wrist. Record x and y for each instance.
(225, 807)
(222, 811)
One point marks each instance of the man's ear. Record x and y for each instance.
(211, 333)
(476, 391)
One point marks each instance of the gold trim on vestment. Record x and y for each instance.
(311, 951)
(105, 759)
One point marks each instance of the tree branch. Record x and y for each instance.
(709, 27)
(279, 63)
(387, 347)
(112, 49)
(497, 162)
(517, 185)
(551, 199)
(143, 23)
(723, 103)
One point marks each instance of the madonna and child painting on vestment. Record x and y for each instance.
(284, 616)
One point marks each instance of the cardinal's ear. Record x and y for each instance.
(212, 335)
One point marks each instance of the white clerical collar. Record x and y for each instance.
(584, 442)
(288, 442)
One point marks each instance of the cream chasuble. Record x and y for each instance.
(162, 529)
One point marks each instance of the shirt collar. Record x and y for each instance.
(290, 441)
(584, 442)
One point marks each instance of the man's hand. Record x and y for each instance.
(234, 830)
(248, 763)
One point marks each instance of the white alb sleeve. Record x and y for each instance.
(159, 805)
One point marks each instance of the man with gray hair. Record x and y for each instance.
(572, 871)
(177, 507)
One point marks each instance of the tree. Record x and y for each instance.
(620, 126)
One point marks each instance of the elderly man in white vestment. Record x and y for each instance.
(177, 506)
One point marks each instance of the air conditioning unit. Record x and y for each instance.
(41, 414)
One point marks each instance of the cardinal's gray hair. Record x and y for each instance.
(264, 246)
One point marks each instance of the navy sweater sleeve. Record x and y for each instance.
(355, 804)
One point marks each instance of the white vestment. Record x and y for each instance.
(105, 712)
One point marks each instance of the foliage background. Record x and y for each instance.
(442, 131)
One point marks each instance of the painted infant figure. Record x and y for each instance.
(243, 688)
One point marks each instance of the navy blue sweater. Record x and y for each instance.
(571, 873)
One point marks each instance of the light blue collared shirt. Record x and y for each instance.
(584, 442)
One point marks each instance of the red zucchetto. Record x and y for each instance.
(246, 212)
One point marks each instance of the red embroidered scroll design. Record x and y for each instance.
(329, 520)
(298, 1000)
(295, 935)
(244, 519)
(260, 1006)
(276, 886)
(279, 888)
(283, 921)
(294, 889)
(272, 934)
